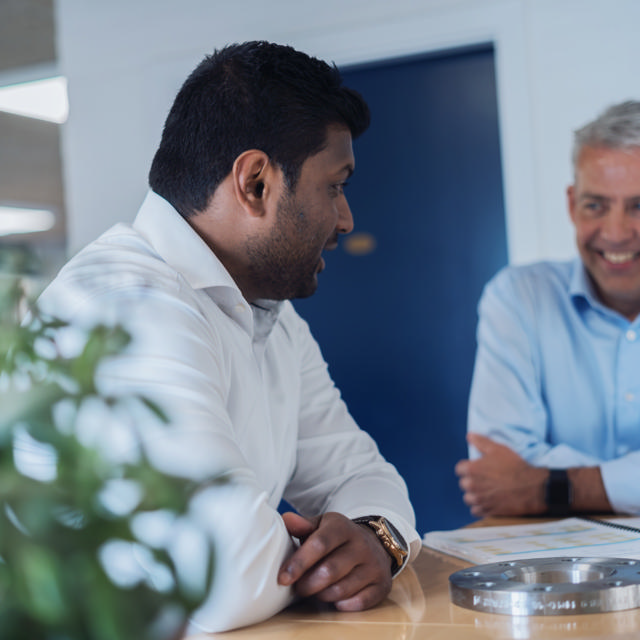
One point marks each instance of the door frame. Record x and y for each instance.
(504, 25)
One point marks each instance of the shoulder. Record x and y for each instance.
(533, 282)
(528, 294)
(120, 262)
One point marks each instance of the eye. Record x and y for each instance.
(634, 207)
(594, 208)
(338, 189)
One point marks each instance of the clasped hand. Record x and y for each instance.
(338, 561)
(500, 483)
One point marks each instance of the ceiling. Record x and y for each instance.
(30, 161)
(26, 33)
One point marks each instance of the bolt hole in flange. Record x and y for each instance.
(548, 586)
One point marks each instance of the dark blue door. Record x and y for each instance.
(395, 314)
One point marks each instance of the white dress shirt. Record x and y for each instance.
(247, 393)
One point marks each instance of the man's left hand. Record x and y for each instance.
(500, 483)
(338, 561)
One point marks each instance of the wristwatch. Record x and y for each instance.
(558, 493)
(391, 539)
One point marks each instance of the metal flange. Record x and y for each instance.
(548, 586)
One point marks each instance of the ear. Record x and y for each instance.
(254, 178)
(571, 202)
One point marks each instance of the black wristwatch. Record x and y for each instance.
(558, 493)
(390, 538)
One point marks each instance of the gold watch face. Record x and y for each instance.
(391, 540)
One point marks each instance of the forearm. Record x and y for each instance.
(250, 544)
(500, 482)
(588, 489)
(375, 490)
(339, 467)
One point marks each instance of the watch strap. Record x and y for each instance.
(390, 538)
(558, 492)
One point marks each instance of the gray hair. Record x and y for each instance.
(618, 127)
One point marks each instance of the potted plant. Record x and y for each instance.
(66, 508)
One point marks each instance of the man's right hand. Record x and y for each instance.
(338, 561)
(500, 483)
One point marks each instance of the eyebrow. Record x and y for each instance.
(349, 168)
(594, 196)
(601, 198)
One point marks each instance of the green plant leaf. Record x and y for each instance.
(52, 583)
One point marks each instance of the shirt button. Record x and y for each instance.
(240, 308)
(629, 397)
(631, 335)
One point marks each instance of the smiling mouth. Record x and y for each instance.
(619, 257)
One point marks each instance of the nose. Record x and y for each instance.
(616, 226)
(345, 218)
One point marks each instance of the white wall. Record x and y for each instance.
(558, 62)
(582, 57)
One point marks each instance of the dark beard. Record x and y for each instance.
(284, 265)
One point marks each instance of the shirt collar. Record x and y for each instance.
(580, 285)
(179, 245)
(184, 250)
(581, 289)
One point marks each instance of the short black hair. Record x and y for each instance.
(254, 95)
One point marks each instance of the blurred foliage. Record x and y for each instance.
(54, 525)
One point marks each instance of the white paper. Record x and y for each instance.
(567, 537)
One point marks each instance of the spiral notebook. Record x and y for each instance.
(584, 537)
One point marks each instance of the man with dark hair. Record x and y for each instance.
(554, 412)
(249, 96)
(247, 192)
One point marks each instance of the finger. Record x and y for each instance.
(470, 499)
(479, 511)
(368, 597)
(461, 468)
(318, 545)
(482, 443)
(346, 588)
(471, 470)
(332, 570)
(347, 569)
(297, 525)
(354, 583)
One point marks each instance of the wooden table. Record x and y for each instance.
(419, 608)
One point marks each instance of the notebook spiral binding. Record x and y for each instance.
(615, 525)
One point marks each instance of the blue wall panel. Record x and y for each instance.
(397, 325)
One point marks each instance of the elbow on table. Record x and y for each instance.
(233, 606)
(251, 542)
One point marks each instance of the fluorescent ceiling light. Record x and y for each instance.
(42, 99)
(25, 220)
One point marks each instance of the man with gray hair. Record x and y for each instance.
(554, 411)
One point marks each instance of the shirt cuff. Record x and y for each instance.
(621, 478)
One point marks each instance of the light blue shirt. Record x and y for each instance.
(557, 376)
